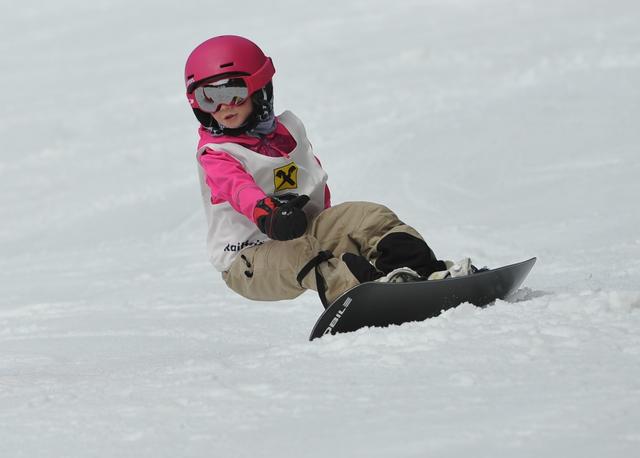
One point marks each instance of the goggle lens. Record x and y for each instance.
(224, 92)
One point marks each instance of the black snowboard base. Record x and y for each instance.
(383, 304)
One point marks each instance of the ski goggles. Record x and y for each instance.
(210, 97)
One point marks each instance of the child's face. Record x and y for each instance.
(233, 116)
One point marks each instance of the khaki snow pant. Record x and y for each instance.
(268, 272)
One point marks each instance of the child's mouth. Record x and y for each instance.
(229, 116)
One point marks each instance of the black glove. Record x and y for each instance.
(281, 218)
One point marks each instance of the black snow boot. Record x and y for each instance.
(361, 268)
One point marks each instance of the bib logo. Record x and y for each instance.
(239, 246)
(286, 177)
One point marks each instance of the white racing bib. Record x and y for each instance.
(229, 231)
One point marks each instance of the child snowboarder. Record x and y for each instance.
(272, 230)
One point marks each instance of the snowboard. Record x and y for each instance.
(382, 304)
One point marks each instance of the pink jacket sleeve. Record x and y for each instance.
(230, 182)
(327, 193)
(327, 197)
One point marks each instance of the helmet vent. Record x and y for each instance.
(228, 64)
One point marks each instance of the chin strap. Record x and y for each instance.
(314, 263)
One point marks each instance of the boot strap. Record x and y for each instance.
(314, 263)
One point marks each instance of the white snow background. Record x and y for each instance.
(501, 129)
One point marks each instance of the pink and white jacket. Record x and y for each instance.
(236, 179)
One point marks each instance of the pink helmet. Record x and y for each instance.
(223, 55)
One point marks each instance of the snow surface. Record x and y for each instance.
(501, 129)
